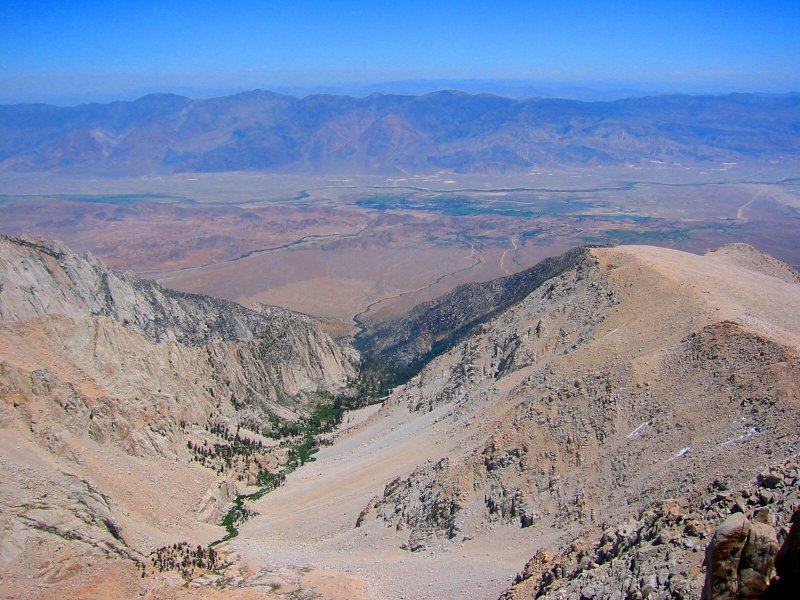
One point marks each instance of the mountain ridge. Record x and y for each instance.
(431, 328)
(82, 287)
(450, 130)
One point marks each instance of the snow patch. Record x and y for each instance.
(750, 432)
(638, 430)
(682, 452)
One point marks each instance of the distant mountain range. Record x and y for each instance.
(448, 130)
(519, 89)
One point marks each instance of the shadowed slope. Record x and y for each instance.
(432, 328)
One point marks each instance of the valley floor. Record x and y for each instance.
(310, 521)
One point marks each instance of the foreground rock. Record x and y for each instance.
(740, 557)
(787, 564)
(660, 553)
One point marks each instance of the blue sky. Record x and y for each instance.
(60, 51)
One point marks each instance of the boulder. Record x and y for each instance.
(787, 564)
(758, 556)
(723, 555)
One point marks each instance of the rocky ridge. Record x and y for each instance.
(285, 353)
(432, 328)
(636, 376)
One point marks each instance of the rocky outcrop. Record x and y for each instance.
(740, 557)
(659, 554)
(420, 504)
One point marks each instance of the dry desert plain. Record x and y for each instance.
(364, 248)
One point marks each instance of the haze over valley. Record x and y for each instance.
(293, 227)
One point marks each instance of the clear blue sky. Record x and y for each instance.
(55, 51)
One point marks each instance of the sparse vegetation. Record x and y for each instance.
(323, 419)
(183, 558)
(236, 451)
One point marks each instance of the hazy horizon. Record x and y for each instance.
(515, 89)
(72, 52)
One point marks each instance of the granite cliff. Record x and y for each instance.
(132, 414)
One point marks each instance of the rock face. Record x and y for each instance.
(131, 414)
(268, 355)
(787, 564)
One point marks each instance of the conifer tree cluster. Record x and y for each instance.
(236, 452)
(185, 559)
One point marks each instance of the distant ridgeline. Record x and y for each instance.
(449, 130)
(404, 346)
